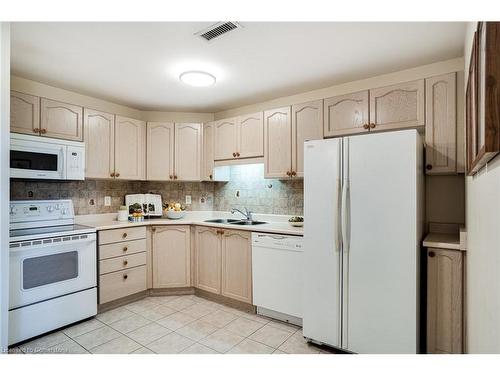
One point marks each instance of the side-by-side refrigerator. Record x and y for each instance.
(363, 216)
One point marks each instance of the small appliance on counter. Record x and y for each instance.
(151, 204)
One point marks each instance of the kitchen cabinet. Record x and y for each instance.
(60, 120)
(24, 113)
(237, 265)
(277, 143)
(208, 259)
(187, 161)
(226, 139)
(99, 136)
(398, 106)
(307, 124)
(444, 301)
(441, 124)
(250, 134)
(160, 151)
(208, 165)
(130, 149)
(346, 114)
(171, 256)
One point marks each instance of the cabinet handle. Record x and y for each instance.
(170, 176)
(153, 229)
(210, 176)
(234, 154)
(124, 235)
(43, 131)
(125, 277)
(288, 173)
(36, 130)
(125, 262)
(112, 174)
(117, 175)
(238, 154)
(372, 125)
(366, 126)
(293, 173)
(432, 254)
(125, 249)
(428, 167)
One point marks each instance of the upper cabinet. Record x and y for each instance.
(250, 142)
(307, 125)
(277, 143)
(61, 120)
(226, 139)
(130, 149)
(160, 151)
(24, 113)
(99, 136)
(187, 152)
(397, 106)
(207, 165)
(441, 124)
(346, 114)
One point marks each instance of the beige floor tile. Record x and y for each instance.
(164, 299)
(180, 303)
(197, 330)
(43, 342)
(270, 336)
(120, 345)
(219, 318)
(248, 346)
(277, 351)
(157, 313)
(170, 344)
(255, 317)
(232, 310)
(215, 305)
(152, 300)
(140, 306)
(199, 310)
(143, 350)
(243, 326)
(114, 315)
(176, 321)
(97, 337)
(84, 327)
(284, 326)
(197, 348)
(296, 344)
(148, 333)
(222, 340)
(197, 299)
(67, 347)
(130, 324)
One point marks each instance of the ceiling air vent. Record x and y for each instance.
(217, 30)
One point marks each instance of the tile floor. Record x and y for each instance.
(174, 324)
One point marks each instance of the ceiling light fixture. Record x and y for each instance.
(197, 78)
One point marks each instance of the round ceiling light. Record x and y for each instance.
(197, 78)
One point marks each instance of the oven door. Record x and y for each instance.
(30, 159)
(52, 267)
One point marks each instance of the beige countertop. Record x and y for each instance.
(275, 223)
(452, 237)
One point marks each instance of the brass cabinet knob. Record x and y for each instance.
(175, 177)
(372, 125)
(210, 177)
(234, 154)
(36, 130)
(117, 175)
(366, 126)
(125, 262)
(124, 235)
(43, 131)
(112, 174)
(125, 249)
(432, 254)
(288, 173)
(238, 154)
(170, 176)
(428, 167)
(125, 277)
(293, 173)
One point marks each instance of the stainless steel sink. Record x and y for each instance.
(222, 221)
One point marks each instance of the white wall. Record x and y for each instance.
(4, 179)
(483, 250)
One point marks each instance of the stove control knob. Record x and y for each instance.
(12, 209)
(64, 211)
(50, 208)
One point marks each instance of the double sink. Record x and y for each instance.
(235, 221)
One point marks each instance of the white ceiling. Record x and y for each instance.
(138, 64)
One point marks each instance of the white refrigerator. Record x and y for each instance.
(363, 220)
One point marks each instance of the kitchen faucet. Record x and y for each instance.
(247, 213)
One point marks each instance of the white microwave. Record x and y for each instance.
(46, 158)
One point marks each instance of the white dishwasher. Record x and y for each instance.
(277, 276)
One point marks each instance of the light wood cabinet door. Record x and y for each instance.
(226, 139)
(346, 114)
(160, 151)
(307, 125)
(251, 136)
(277, 143)
(207, 168)
(130, 149)
(237, 265)
(61, 120)
(99, 136)
(441, 124)
(444, 301)
(208, 259)
(397, 106)
(187, 152)
(171, 256)
(24, 113)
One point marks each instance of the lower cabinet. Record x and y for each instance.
(171, 256)
(224, 262)
(444, 301)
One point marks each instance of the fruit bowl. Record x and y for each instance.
(296, 221)
(171, 214)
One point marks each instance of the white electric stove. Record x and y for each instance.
(53, 268)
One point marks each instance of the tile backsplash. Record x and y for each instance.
(246, 188)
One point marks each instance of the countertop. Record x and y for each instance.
(452, 237)
(275, 223)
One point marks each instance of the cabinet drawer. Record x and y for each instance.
(122, 234)
(122, 263)
(121, 248)
(121, 284)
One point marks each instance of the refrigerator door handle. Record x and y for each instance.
(345, 219)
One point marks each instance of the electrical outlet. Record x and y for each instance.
(188, 199)
(91, 202)
(107, 200)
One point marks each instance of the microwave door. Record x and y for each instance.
(43, 162)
